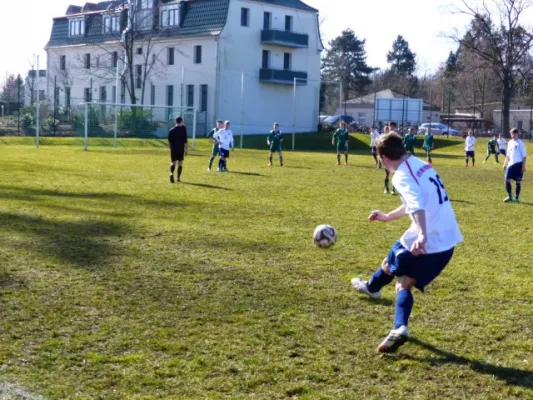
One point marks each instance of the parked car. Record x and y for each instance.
(437, 129)
(323, 117)
(333, 121)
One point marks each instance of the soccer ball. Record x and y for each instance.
(324, 236)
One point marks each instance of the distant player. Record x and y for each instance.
(374, 137)
(429, 144)
(502, 145)
(224, 139)
(409, 141)
(274, 140)
(392, 129)
(215, 151)
(425, 248)
(341, 136)
(492, 149)
(177, 142)
(515, 161)
(470, 148)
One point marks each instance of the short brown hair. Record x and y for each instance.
(219, 121)
(391, 146)
(179, 120)
(515, 130)
(392, 124)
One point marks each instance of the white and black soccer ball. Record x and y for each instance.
(324, 236)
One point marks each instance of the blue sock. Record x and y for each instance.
(518, 189)
(378, 280)
(404, 305)
(508, 187)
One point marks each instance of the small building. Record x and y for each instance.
(35, 81)
(518, 118)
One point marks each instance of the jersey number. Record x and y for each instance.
(440, 189)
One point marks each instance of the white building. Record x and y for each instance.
(230, 59)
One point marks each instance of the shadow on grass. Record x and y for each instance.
(205, 185)
(461, 201)
(512, 376)
(246, 173)
(86, 244)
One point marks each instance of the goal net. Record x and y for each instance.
(119, 121)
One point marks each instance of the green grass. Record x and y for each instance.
(115, 284)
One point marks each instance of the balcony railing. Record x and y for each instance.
(282, 76)
(284, 38)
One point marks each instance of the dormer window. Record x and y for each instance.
(111, 23)
(170, 17)
(77, 27)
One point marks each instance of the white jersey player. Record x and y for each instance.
(374, 137)
(470, 148)
(224, 139)
(515, 165)
(502, 145)
(425, 249)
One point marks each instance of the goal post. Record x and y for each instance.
(119, 121)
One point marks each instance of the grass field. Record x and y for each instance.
(115, 284)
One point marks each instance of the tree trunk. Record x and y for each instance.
(506, 105)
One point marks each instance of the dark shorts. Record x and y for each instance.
(374, 150)
(470, 153)
(503, 152)
(176, 155)
(224, 153)
(424, 268)
(342, 147)
(514, 172)
(276, 147)
(427, 149)
(490, 151)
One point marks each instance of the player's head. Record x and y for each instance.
(342, 124)
(392, 126)
(494, 137)
(470, 132)
(514, 133)
(220, 124)
(179, 121)
(390, 149)
(500, 136)
(226, 124)
(276, 126)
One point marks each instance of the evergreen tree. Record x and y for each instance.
(401, 58)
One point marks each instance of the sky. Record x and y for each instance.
(25, 27)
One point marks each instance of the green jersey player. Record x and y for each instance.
(428, 145)
(215, 151)
(274, 140)
(409, 142)
(340, 137)
(492, 149)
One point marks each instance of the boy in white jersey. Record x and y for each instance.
(425, 248)
(470, 148)
(224, 138)
(515, 161)
(374, 136)
(502, 145)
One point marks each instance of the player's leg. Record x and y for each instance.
(467, 156)
(221, 161)
(180, 168)
(213, 155)
(270, 158)
(518, 182)
(473, 159)
(280, 153)
(381, 278)
(346, 157)
(172, 166)
(386, 181)
(338, 156)
(374, 154)
(488, 156)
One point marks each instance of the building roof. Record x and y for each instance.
(199, 18)
(369, 99)
(289, 3)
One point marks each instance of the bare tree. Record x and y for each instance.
(497, 38)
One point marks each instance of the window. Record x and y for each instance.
(170, 56)
(266, 20)
(152, 94)
(245, 17)
(190, 95)
(170, 95)
(138, 76)
(288, 23)
(114, 59)
(87, 61)
(139, 50)
(42, 73)
(197, 54)
(62, 63)
(67, 97)
(77, 27)
(103, 94)
(143, 4)
(111, 23)
(203, 97)
(266, 59)
(170, 17)
(88, 95)
(287, 58)
(114, 94)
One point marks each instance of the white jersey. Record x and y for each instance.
(516, 152)
(470, 143)
(374, 136)
(225, 137)
(421, 188)
(502, 144)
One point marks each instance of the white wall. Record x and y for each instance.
(241, 52)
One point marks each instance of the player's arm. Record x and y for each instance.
(333, 138)
(524, 153)
(419, 246)
(186, 147)
(391, 216)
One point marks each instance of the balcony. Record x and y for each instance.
(284, 38)
(282, 76)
